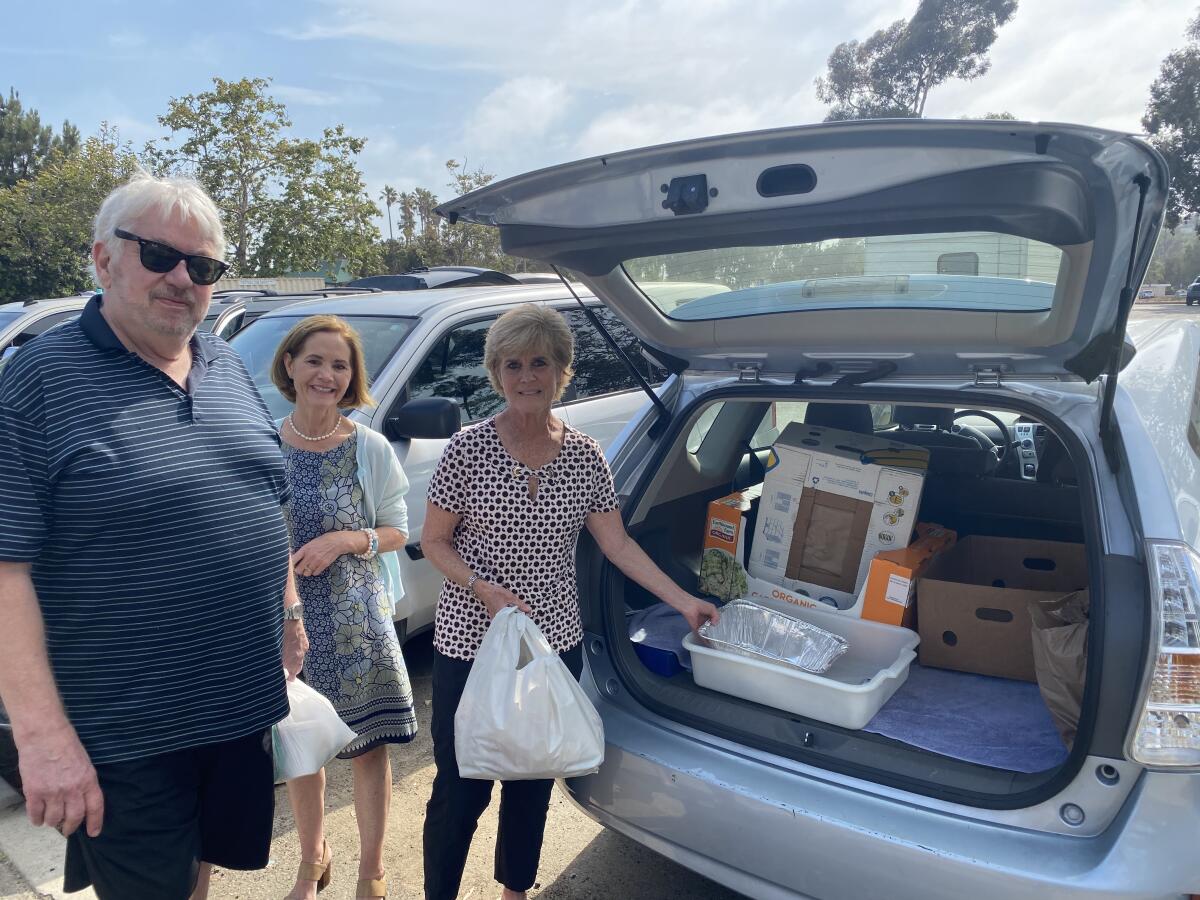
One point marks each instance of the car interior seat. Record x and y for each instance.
(931, 427)
(1055, 466)
(854, 417)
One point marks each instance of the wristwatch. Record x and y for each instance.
(471, 582)
(294, 613)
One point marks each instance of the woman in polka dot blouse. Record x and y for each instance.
(507, 503)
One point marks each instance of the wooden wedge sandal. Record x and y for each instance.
(320, 872)
(372, 887)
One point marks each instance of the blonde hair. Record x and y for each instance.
(356, 392)
(530, 330)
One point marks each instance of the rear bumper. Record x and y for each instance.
(767, 831)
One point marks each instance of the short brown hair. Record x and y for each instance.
(356, 393)
(530, 330)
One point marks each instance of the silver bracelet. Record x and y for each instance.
(372, 544)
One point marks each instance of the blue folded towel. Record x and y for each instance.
(991, 721)
(663, 628)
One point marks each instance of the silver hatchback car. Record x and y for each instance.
(963, 287)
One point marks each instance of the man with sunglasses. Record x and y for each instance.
(145, 587)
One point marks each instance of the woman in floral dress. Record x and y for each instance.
(347, 517)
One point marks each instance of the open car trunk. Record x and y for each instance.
(953, 734)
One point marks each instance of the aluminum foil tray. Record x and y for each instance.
(751, 630)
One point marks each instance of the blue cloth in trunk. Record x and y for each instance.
(663, 628)
(991, 721)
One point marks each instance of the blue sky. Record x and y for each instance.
(519, 85)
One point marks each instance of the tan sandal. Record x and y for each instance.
(372, 887)
(320, 872)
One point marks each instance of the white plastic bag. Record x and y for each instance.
(310, 736)
(522, 714)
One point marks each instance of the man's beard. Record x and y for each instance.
(178, 324)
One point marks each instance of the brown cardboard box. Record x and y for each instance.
(831, 500)
(974, 602)
(892, 578)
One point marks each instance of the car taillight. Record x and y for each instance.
(1168, 730)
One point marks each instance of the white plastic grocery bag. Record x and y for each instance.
(522, 714)
(310, 736)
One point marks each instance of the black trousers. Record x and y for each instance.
(457, 803)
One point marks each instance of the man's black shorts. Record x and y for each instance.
(164, 814)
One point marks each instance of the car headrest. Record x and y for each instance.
(854, 417)
(940, 417)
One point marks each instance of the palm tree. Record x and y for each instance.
(389, 197)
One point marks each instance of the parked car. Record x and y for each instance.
(784, 805)
(425, 277)
(23, 321)
(236, 312)
(1193, 292)
(424, 356)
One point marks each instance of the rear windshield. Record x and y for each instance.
(257, 342)
(963, 270)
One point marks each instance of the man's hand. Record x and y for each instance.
(59, 782)
(317, 555)
(496, 598)
(295, 646)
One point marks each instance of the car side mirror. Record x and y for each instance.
(425, 417)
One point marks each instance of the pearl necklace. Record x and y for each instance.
(307, 437)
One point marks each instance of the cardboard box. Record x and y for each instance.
(722, 572)
(831, 501)
(892, 577)
(974, 602)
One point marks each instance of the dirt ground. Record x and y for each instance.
(580, 860)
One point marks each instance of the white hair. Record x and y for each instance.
(145, 193)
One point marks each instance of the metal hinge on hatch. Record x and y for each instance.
(987, 376)
(748, 371)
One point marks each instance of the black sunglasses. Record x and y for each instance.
(161, 258)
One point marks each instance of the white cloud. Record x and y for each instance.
(527, 84)
(126, 40)
(303, 96)
(1073, 61)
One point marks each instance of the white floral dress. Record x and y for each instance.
(354, 657)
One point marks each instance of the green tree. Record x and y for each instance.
(408, 217)
(389, 197)
(1176, 259)
(289, 204)
(26, 145)
(46, 220)
(322, 217)
(1173, 122)
(231, 140)
(891, 73)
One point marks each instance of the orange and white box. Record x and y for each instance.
(892, 578)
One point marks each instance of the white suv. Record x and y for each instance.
(424, 356)
(960, 285)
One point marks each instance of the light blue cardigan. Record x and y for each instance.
(384, 485)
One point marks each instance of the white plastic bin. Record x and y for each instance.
(848, 694)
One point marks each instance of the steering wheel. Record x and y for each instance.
(1001, 449)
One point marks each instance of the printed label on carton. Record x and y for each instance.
(898, 590)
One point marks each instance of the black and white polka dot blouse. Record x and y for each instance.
(527, 544)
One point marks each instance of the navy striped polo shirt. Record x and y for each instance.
(151, 516)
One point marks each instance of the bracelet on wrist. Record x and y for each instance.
(372, 544)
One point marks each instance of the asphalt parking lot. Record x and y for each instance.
(580, 860)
